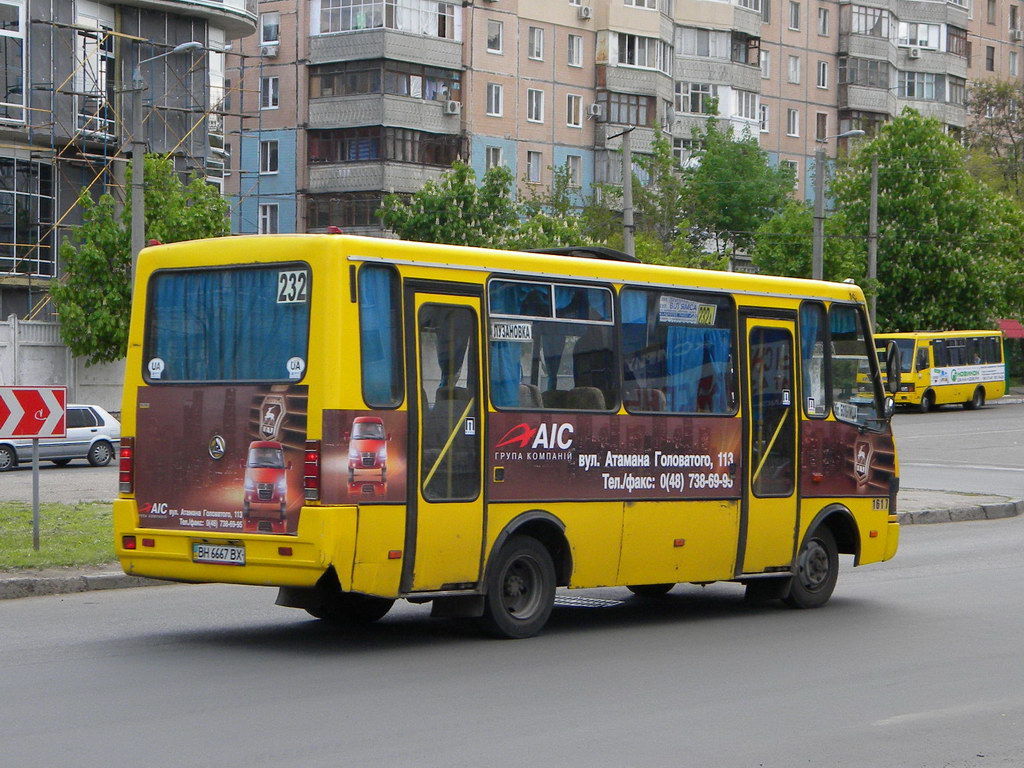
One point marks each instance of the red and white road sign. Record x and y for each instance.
(33, 412)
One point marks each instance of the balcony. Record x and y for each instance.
(236, 17)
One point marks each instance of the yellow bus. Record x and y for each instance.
(942, 367)
(359, 420)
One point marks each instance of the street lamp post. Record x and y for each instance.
(818, 240)
(138, 200)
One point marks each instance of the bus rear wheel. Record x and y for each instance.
(976, 401)
(349, 608)
(520, 589)
(817, 568)
(650, 590)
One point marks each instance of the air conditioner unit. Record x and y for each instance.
(914, 53)
(452, 107)
(596, 111)
(1017, 35)
(585, 12)
(268, 51)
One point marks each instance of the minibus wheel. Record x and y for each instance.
(927, 402)
(650, 590)
(976, 401)
(817, 568)
(520, 587)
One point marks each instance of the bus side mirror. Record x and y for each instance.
(893, 370)
(890, 408)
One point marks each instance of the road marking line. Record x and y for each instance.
(985, 467)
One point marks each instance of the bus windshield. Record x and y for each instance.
(906, 348)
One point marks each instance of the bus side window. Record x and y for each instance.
(812, 358)
(380, 336)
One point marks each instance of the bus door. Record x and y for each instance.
(769, 514)
(445, 521)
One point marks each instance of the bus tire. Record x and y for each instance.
(817, 568)
(927, 402)
(520, 590)
(349, 608)
(650, 590)
(977, 400)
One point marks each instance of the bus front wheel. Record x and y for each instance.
(520, 590)
(976, 401)
(817, 568)
(927, 402)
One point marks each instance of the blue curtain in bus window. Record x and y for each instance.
(810, 322)
(633, 305)
(505, 373)
(378, 331)
(527, 299)
(717, 346)
(843, 320)
(684, 358)
(226, 325)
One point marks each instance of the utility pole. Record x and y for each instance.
(627, 194)
(818, 237)
(873, 242)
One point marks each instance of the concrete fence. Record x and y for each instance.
(32, 354)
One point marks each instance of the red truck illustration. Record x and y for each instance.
(266, 487)
(367, 447)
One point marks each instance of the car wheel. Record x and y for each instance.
(101, 453)
(61, 462)
(8, 459)
(927, 402)
(520, 590)
(817, 568)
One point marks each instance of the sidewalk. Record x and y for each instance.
(915, 507)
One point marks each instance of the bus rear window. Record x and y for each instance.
(236, 324)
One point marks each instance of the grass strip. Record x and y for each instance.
(69, 535)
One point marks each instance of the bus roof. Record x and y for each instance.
(935, 334)
(248, 249)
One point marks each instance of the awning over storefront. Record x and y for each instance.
(1012, 329)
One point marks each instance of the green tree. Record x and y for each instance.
(945, 241)
(783, 245)
(454, 209)
(555, 217)
(732, 189)
(995, 134)
(93, 296)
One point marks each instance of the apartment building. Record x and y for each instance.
(344, 101)
(68, 71)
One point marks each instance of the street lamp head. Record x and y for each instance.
(844, 135)
(194, 46)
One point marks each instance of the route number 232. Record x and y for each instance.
(292, 286)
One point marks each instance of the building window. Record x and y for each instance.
(1013, 17)
(574, 110)
(495, 99)
(697, 98)
(822, 74)
(270, 93)
(766, 11)
(918, 35)
(268, 157)
(956, 41)
(375, 142)
(534, 162)
(957, 89)
(1014, 68)
(820, 126)
(12, 70)
(873, 22)
(794, 15)
(766, 67)
(645, 52)
(750, 5)
(793, 74)
(652, 4)
(420, 17)
(823, 21)
(705, 43)
(629, 109)
(746, 49)
(268, 219)
(534, 105)
(990, 58)
(574, 168)
(378, 76)
(763, 120)
(26, 226)
(990, 16)
(495, 36)
(575, 51)
(536, 44)
(792, 122)
(926, 86)
(493, 157)
(343, 209)
(746, 105)
(270, 28)
(869, 73)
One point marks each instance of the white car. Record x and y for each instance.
(92, 434)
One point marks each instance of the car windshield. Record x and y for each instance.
(266, 457)
(368, 431)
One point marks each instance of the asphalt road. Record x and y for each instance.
(914, 662)
(958, 450)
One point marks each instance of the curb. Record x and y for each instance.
(963, 514)
(39, 586)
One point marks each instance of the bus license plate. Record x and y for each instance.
(221, 554)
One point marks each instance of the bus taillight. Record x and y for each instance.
(311, 475)
(126, 466)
